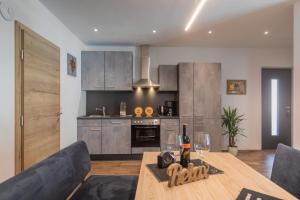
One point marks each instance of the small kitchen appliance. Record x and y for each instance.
(171, 108)
(123, 109)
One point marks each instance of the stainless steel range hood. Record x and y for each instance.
(145, 81)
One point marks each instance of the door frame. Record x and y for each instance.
(19, 91)
(261, 104)
(19, 31)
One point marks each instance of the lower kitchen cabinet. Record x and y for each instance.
(169, 131)
(90, 132)
(116, 136)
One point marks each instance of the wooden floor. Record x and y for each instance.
(261, 161)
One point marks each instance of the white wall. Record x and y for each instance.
(296, 78)
(236, 64)
(34, 15)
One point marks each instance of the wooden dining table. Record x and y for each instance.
(237, 175)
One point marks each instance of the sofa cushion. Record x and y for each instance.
(107, 188)
(53, 178)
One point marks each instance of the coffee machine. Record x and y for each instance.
(171, 108)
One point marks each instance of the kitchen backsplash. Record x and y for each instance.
(112, 100)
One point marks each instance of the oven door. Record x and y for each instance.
(145, 136)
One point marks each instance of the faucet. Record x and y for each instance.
(102, 109)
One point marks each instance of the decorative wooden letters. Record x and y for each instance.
(179, 175)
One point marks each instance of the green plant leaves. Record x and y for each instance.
(231, 124)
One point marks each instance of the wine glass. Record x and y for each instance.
(172, 142)
(201, 144)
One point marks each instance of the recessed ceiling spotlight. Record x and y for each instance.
(266, 33)
(210, 32)
(96, 30)
(154, 31)
(196, 12)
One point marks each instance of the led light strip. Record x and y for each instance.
(199, 7)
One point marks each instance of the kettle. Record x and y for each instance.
(162, 110)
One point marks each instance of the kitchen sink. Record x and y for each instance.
(98, 116)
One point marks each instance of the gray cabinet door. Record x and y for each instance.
(90, 132)
(168, 77)
(213, 128)
(190, 128)
(116, 136)
(169, 131)
(207, 90)
(186, 92)
(118, 71)
(92, 70)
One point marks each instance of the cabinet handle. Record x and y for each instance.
(95, 129)
(116, 122)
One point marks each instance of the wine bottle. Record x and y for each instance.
(185, 148)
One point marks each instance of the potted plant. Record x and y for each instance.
(231, 125)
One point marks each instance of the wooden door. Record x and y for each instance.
(186, 93)
(118, 71)
(92, 63)
(38, 97)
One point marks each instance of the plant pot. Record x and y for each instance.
(233, 150)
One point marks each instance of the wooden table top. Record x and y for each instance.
(237, 175)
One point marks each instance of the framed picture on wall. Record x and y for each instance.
(236, 87)
(72, 65)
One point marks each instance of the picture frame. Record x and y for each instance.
(236, 87)
(71, 65)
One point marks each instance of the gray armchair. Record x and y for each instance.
(286, 169)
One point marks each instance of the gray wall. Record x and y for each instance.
(112, 100)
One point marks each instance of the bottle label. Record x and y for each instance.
(186, 146)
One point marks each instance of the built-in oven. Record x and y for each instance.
(145, 133)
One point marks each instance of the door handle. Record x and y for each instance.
(288, 109)
(59, 114)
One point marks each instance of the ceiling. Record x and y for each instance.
(234, 23)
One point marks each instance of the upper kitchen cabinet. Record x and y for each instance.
(168, 77)
(92, 66)
(207, 90)
(186, 93)
(118, 71)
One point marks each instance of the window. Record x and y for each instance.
(274, 106)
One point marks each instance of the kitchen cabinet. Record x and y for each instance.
(90, 131)
(118, 71)
(207, 92)
(200, 100)
(212, 126)
(189, 121)
(169, 131)
(92, 70)
(116, 136)
(168, 77)
(186, 92)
